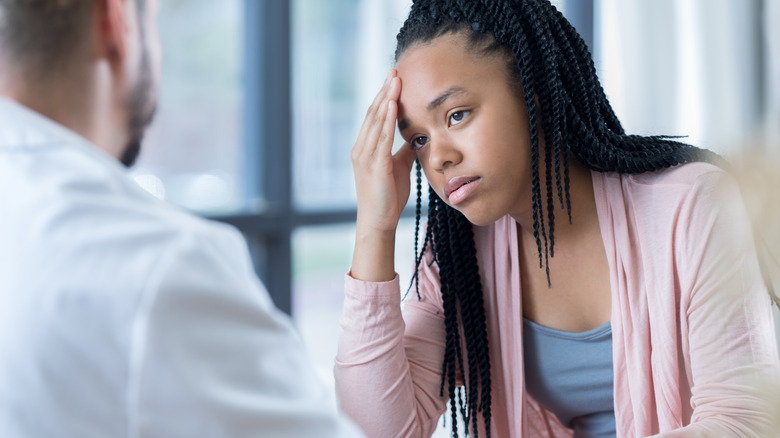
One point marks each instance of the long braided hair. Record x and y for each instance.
(552, 67)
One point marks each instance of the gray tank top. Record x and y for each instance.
(570, 374)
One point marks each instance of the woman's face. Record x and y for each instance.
(469, 127)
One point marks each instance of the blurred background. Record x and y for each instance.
(261, 101)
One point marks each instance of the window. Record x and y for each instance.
(193, 152)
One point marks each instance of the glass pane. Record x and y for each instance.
(342, 50)
(192, 153)
(322, 255)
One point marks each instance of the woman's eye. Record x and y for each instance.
(419, 142)
(458, 116)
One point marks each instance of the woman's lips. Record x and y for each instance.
(459, 188)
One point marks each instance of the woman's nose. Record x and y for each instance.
(443, 154)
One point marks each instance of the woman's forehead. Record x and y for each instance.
(447, 62)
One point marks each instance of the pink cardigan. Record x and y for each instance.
(694, 351)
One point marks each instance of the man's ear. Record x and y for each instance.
(112, 28)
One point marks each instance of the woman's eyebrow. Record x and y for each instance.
(449, 92)
(435, 103)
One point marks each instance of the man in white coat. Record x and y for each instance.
(119, 315)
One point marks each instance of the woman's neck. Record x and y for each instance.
(583, 206)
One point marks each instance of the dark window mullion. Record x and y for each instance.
(267, 139)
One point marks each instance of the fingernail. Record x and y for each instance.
(388, 77)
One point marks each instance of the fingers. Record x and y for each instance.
(387, 132)
(380, 96)
(375, 104)
(374, 129)
(381, 129)
(405, 157)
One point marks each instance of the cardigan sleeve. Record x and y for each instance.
(733, 358)
(388, 366)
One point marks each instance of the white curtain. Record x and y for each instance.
(684, 67)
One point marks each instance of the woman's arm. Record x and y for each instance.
(732, 348)
(382, 185)
(388, 367)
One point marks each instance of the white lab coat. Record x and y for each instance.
(121, 316)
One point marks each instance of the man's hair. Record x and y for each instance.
(551, 67)
(44, 35)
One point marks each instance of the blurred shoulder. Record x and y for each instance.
(688, 174)
(670, 185)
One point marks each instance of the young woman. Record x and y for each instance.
(573, 280)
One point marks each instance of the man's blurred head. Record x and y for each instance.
(57, 41)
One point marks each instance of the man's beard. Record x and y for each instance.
(140, 105)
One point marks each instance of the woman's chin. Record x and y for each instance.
(479, 218)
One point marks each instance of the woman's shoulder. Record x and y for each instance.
(684, 174)
(672, 184)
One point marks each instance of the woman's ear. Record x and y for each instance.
(112, 28)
